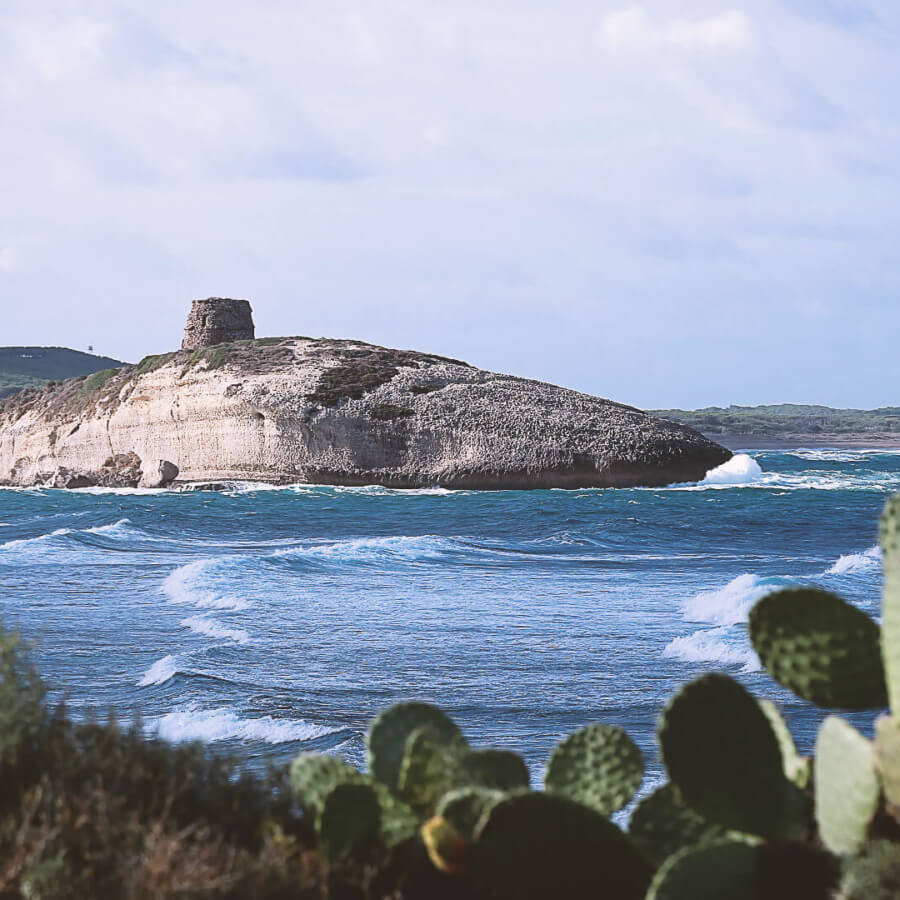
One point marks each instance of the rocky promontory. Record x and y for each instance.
(317, 410)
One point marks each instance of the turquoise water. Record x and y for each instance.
(275, 620)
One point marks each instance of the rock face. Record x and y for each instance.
(287, 410)
(217, 320)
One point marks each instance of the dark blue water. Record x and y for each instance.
(272, 621)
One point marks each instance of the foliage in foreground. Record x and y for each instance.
(95, 811)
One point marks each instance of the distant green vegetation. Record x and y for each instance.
(22, 367)
(786, 420)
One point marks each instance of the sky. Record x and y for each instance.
(668, 202)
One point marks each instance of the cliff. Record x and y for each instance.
(336, 412)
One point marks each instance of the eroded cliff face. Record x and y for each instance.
(335, 412)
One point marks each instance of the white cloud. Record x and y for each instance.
(8, 259)
(633, 28)
(62, 49)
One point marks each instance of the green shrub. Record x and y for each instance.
(96, 381)
(152, 363)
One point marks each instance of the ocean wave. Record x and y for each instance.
(731, 604)
(191, 584)
(712, 645)
(836, 454)
(25, 543)
(856, 563)
(741, 469)
(160, 672)
(403, 548)
(214, 629)
(195, 724)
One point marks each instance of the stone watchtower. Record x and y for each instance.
(217, 320)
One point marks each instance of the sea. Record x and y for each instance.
(267, 621)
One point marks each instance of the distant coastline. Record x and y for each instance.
(736, 442)
(792, 425)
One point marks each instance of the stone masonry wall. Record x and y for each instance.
(217, 320)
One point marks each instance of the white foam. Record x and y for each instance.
(740, 469)
(189, 584)
(212, 628)
(116, 529)
(194, 724)
(730, 604)
(23, 543)
(711, 646)
(160, 672)
(400, 547)
(854, 563)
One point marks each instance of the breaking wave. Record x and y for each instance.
(731, 604)
(191, 584)
(740, 469)
(712, 645)
(855, 563)
(195, 724)
(160, 672)
(212, 628)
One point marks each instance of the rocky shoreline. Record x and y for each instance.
(323, 411)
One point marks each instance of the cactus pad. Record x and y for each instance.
(314, 776)
(723, 757)
(533, 846)
(820, 647)
(846, 786)
(887, 758)
(389, 732)
(466, 807)
(502, 770)
(796, 767)
(662, 825)
(349, 820)
(709, 872)
(890, 605)
(429, 769)
(599, 766)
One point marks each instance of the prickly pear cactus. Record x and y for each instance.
(662, 825)
(534, 846)
(502, 770)
(389, 732)
(890, 606)
(445, 845)
(350, 819)
(873, 875)
(314, 776)
(429, 769)
(796, 767)
(724, 759)
(846, 786)
(887, 758)
(464, 808)
(712, 871)
(599, 766)
(820, 647)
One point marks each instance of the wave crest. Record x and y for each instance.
(194, 724)
(160, 672)
(855, 563)
(712, 646)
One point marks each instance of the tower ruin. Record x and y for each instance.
(218, 320)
